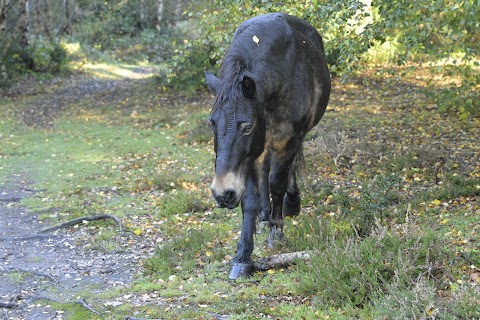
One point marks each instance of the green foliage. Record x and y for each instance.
(352, 271)
(462, 96)
(115, 28)
(215, 30)
(41, 56)
(374, 205)
(353, 34)
(419, 302)
(457, 186)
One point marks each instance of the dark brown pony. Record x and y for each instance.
(273, 87)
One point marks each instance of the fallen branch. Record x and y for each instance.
(87, 218)
(13, 199)
(282, 260)
(9, 305)
(26, 238)
(86, 306)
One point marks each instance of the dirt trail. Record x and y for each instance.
(57, 266)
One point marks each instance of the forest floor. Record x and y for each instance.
(56, 267)
(390, 204)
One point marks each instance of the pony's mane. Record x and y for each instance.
(231, 71)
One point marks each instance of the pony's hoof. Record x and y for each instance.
(240, 270)
(291, 206)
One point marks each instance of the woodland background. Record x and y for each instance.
(103, 113)
(187, 37)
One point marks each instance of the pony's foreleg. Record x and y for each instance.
(242, 264)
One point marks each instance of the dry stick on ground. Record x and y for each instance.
(86, 306)
(87, 218)
(32, 237)
(9, 305)
(66, 225)
(282, 260)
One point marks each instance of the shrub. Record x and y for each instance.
(40, 55)
(352, 271)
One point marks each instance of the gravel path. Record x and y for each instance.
(62, 266)
(57, 266)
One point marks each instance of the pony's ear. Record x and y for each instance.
(249, 88)
(211, 81)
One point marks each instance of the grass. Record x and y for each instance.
(390, 204)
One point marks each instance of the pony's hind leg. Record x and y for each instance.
(278, 188)
(291, 200)
(263, 167)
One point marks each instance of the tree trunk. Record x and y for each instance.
(142, 8)
(22, 24)
(47, 19)
(70, 13)
(161, 23)
(4, 7)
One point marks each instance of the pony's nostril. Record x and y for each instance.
(229, 196)
(227, 199)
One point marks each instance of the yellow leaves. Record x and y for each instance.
(436, 202)
(137, 232)
(431, 310)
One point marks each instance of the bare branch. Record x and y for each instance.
(282, 260)
(87, 218)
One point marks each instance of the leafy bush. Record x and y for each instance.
(461, 96)
(352, 32)
(116, 29)
(373, 206)
(39, 56)
(352, 271)
(420, 302)
(215, 29)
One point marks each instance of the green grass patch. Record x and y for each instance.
(192, 250)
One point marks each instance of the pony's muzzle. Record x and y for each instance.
(227, 190)
(228, 199)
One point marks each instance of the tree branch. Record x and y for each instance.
(87, 218)
(9, 305)
(86, 306)
(282, 260)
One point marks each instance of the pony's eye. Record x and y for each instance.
(246, 128)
